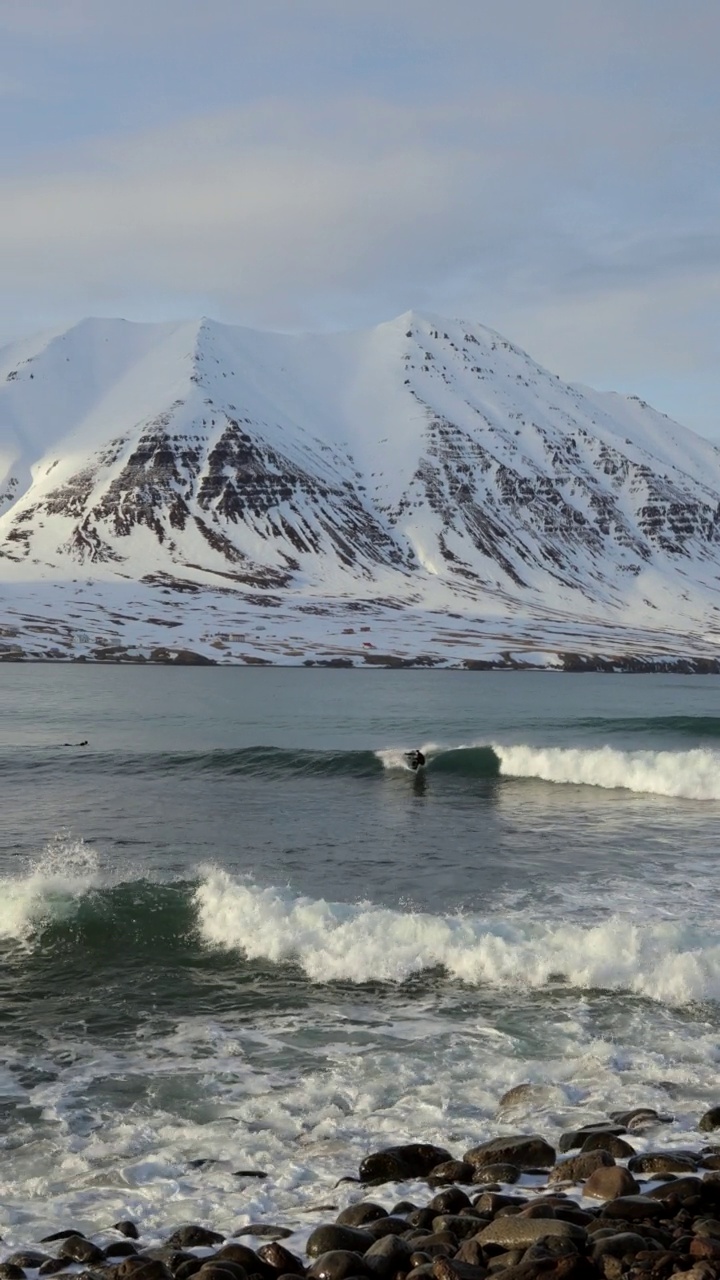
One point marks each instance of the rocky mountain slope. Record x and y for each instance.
(423, 490)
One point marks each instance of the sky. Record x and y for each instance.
(550, 168)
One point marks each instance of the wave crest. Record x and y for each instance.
(662, 960)
(690, 775)
(49, 889)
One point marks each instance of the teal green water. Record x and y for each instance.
(234, 926)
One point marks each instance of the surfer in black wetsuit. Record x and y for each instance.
(415, 759)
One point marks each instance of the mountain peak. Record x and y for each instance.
(427, 462)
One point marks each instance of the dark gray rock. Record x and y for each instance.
(678, 1189)
(450, 1201)
(609, 1183)
(193, 1237)
(211, 1270)
(338, 1264)
(388, 1256)
(263, 1231)
(633, 1208)
(421, 1218)
(120, 1249)
(639, 1118)
(450, 1172)
(330, 1238)
(78, 1249)
(710, 1120)
(525, 1151)
(576, 1137)
(579, 1168)
(282, 1261)
(615, 1146)
(394, 1164)
(357, 1214)
(459, 1226)
(517, 1232)
(242, 1256)
(619, 1244)
(186, 1269)
(142, 1268)
(127, 1228)
(662, 1162)
(502, 1173)
(389, 1226)
(490, 1202)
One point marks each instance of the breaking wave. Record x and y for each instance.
(50, 889)
(64, 909)
(690, 775)
(662, 960)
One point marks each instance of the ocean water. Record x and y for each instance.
(238, 935)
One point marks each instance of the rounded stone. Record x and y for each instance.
(661, 1162)
(394, 1164)
(631, 1208)
(281, 1260)
(502, 1173)
(610, 1182)
(639, 1118)
(388, 1256)
(517, 1232)
(264, 1231)
(338, 1264)
(576, 1137)
(355, 1215)
(450, 1201)
(330, 1238)
(524, 1150)
(449, 1172)
(78, 1249)
(211, 1270)
(579, 1168)
(620, 1244)
(193, 1236)
(186, 1269)
(615, 1146)
(127, 1228)
(389, 1226)
(120, 1249)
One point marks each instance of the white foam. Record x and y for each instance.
(48, 889)
(670, 961)
(691, 775)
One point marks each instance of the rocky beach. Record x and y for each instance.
(617, 1198)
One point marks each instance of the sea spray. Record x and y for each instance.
(691, 775)
(667, 961)
(49, 888)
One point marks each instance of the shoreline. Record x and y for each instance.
(605, 1203)
(568, 663)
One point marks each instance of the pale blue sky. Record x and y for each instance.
(546, 167)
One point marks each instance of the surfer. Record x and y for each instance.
(76, 744)
(415, 759)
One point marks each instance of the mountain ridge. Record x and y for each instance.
(428, 464)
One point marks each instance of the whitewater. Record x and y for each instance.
(239, 936)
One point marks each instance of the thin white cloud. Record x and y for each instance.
(548, 169)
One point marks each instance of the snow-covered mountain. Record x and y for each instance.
(422, 490)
